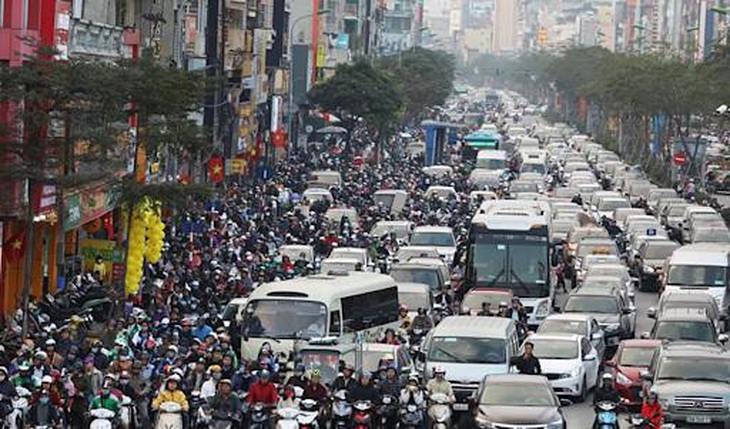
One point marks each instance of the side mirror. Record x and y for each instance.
(651, 313)
(629, 310)
(645, 335)
(565, 402)
(590, 357)
(557, 309)
(722, 338)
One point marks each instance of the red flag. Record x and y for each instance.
(14, 247)
(216, 169)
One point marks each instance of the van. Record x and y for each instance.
(325, 179)
(469, 348)
(699, 267)
(492, 160)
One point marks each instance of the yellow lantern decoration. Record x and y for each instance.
(155, 236)
(136, 251)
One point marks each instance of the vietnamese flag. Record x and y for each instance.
(14, 247)
(216, 169)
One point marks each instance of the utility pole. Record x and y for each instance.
(368, 24)
(212, 65)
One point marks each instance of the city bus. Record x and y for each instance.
(509, 248)
(338, 306)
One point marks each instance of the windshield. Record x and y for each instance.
(596, 249)
(555, 349)
(636, 356)
(230, 312)
(533, 168)
(523, 187)
(676, 210)
(518, 395)
(696, 275)
(381, 230)
(286, 319)
(425, 276)
(611, 205)
(518, 264)
(346, 254)
(386, 199)
(490, 164)
(577, 327)
(592, 304)
(372, 360)
(474, 301)
(326, 362)
(694, 368)
(414, 300)
(659, 251)
(438, 239)
(717, 235)
(467, 350)
(687, 331)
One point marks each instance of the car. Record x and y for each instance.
(518, 400)
(407, 253)
(709, 234)
(352, 253)
(591, 260)
(442, 192)
(340, 265)
(233, 312)
(611, 311)
(578, 234)
(594, 246)
(472, 302)
(438, 171)
(402, 229)
(692, 381)
(691, 299)
(569, 361)
(631, 358)
(685, 324)
(377, 355)
(579, 324)
(415, 296)
(440, 237)
(430, 272)
(649, 261)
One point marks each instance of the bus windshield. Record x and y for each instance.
(286, 319)
(515, 261)
(697, 275)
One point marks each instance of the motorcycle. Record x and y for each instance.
(170, 416)
(259, 416)
(411, 417)
(102, 418)
(128, 416)
(606, 415)
(308, 414)
(287, 418)
(362, 415)
(21, 405)
(439, 411)
(639, 422)
(388, 412)
(341, 410)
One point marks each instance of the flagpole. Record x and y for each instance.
(29, 249)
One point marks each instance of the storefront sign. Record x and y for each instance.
(86, 205)
(107, 249)
(72, 212)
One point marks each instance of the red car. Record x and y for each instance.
(631, 358)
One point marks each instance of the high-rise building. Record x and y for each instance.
(506, 18)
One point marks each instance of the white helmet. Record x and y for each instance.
(439, 370)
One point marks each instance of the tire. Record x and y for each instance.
(583, 392)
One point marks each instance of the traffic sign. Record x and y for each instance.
(651, 232)
(680, 158)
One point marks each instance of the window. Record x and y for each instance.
(335, 323)
(370, 309)
(25, 14)
(585, 346)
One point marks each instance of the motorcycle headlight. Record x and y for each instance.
(557, 424)
(648, 269)
(622, 379)
(542, 310)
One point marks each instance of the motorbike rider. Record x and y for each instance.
(315, 389)
(405, 320)
(225, 405)
(607, 391)
(364, 390)
(412, 394)
(527, 363)
(45, 404)
(7, 393)
(344, 380)
(391, 385)
(651, 410)
(422, 321)
(172, 393)
(209, 388)
(23, 378)
(105, 399)
(263, 391)
(299, 378)
(577, 199)
(439, 384)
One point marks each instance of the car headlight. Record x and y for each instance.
(648, 269)
(543, 310)
(664, 403)
(557, 424)
(483, 423)
(622, 379)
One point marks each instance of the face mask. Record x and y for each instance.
(217, 376)
(95, 349)
(44, 399)
(124, 381)
(2, 378)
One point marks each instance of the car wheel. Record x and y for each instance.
(583, 392)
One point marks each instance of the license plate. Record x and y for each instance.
(461, 407)
(699, 419)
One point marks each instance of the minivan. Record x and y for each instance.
(469, 348)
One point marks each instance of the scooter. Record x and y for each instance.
(308, 414)
(102, 418)
(411, 417)
(439, 411)
(127, 414)
(341, 410)
(639, 422)
(259, 416)
(362, 415)
(606, 415)
(388, 412)
(170, 416)
(287, 418)
(21, 406)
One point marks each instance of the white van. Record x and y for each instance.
(469, 348)
(492, 160)
(699, 267)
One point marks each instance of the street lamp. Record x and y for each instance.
(290, 95)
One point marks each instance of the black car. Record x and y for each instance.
(516, 400)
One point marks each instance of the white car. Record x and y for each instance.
(570, 362)
(440, 237)
(352, 253)
(578, 324)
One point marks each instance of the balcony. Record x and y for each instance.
(88, 38)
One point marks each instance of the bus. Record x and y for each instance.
(340, 306)
(509, 248)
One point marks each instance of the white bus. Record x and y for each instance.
(341, 306)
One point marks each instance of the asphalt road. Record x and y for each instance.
(580, 416)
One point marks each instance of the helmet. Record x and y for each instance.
(225, 381)
(41, 355)
(439, 370)
(403, 307)
(413, 379)
(315, 373)
(4, 370)
(215, 368)
(110, 376)
(653, 392)
(173, 377)
(47, 379)
(365, 373)
(607, 376)
(50, 342)
(264, 374)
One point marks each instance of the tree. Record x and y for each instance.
(362, 91)
(424, 77)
